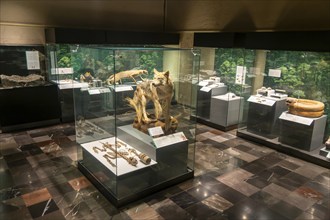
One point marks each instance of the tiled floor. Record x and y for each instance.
(234, 179)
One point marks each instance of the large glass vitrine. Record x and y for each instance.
(132, 120)
(221, 87)
(289, 102)
(27, 98)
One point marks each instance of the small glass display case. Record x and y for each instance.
(132, 121)
(221, 87)
(27, 98)
(289, 102)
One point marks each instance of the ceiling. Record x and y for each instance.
(170, 15)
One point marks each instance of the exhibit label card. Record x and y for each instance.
(274, 73)
(123, 88)
(206, 89)
(169, 139)
(155, 131)
(296, 118)
(94, 91)
(203, 83)
(240, 75)
(32, 60)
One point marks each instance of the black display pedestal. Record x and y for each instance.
(28, 107)
(300, 132)
(263, 115)
(204, 100)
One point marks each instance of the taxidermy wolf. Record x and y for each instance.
(159, 90)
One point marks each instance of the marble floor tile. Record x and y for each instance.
(287, 210)
(143, 211)
(234, 179)
(310, 171)
(241, 154)
(184, 199)
(79, 183)
(265, 198)
(23, 139)
(300, 201)
(42, 138)
(43, 208)
(201, 211)
(232, 195)
(319, 211)
(217, 202)
(276, 191)
(36, 197)
(169, 210)
(307, 216)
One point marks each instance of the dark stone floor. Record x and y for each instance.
(234, 179)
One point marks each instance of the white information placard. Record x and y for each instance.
(123, 88)
(68, 70)
(155, 131)
(32, 60)
(261, 100)
(274, 73)
(206, 89)
(104, 90)
(94, 91)
(203, 83)
(169, 139)
(240, 75)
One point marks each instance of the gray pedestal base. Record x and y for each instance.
(225, 111)
(300, 132)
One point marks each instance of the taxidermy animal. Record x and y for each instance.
(113, 79)
(159, 90)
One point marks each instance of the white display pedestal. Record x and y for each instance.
(225, 110)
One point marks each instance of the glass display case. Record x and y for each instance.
(289, 102)
(25, 92)
(221, 87)
(60, 72)
(133, 122)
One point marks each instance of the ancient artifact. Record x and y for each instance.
(108, 158)
(143, 157)
(159, 90)
(124, 155)
(22, 81)
(113, 79)
(86, 77)
(327, 144)
(305, 107)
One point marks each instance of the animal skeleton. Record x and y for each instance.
(158, 90)
(113, 79)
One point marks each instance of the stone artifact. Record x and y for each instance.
(143, 157)
(113, 79)
(122, 154)
(305, 107)
(22, 81)
(86, 77)
(327, 144)
(159, 90)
